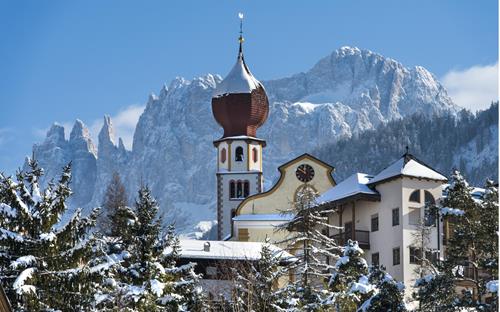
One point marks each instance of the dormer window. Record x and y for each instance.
(238, 155)
(415, 196)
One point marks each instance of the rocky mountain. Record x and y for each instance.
(343, 95)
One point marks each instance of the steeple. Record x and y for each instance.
(240, 106)
(239, 102)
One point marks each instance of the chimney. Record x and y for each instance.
(206, 247)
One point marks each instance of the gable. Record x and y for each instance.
(281, 195)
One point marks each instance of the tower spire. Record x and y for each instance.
(241, 39)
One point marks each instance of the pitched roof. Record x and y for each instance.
(226, 250)
(354, 185)
(408, 165)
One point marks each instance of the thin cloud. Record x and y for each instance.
(473, 88)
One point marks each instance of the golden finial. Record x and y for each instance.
(240, 16)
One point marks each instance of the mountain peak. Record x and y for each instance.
(106, 135)
(56, 135)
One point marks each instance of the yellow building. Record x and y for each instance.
(257, 216)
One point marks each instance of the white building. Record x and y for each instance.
(383, 212)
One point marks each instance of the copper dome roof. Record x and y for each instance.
(239, 102)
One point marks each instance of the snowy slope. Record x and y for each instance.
(345, 93)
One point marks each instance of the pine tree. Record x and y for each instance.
(45, 264)
(116, 218)
(349, 283)
(257, 287)
(311, 247)
(145, 277)
(389, 295)
(471, 253)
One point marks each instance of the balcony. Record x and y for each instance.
(363, 238)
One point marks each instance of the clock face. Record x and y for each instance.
(304, 173)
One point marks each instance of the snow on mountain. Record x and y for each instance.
(350, 91)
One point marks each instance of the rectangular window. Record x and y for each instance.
(395, 216)
(414, 216)
(415, 255)
(396, 257)
(375, 259)
(375, 222)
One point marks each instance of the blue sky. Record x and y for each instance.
(62, 60)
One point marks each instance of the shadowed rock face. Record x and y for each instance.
(345, 93)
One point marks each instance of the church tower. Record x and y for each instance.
(240, 106)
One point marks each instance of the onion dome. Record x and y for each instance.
(239, 103)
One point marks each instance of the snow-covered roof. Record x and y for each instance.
(355, 184)
(409, 166)
(228, 250)
(239, 80)
(264, 217)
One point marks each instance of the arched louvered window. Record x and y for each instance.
(430, 215)
(238, 154)
(415, 196)
(246, 189)
(255, 154)
(239, 189)
(232, 189)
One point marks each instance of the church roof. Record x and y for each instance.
(354, 185)
(229, 250)
(239, 79)
(408, 165)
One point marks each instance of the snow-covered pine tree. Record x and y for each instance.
(389, 295)
(257, 287)
(44, 263)
(471, 250)
(183, 281)
(146, 277)
(114, 218)
(349, 283)
(311, 246)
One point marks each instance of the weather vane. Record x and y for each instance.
(240, 16)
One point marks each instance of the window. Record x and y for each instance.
(415, 255)
(238, 154)
(395, 256)
(415, 196)
(232, 189)
(432, 256)
(429, 199)
(239, 189)
(375, 222)
(414, 216)
(395, 216)
(255, 154)
(246, 189)
(211, 271)
(223, 155)
(430, 216)
(375, 259)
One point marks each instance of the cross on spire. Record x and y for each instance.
(241, 39)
